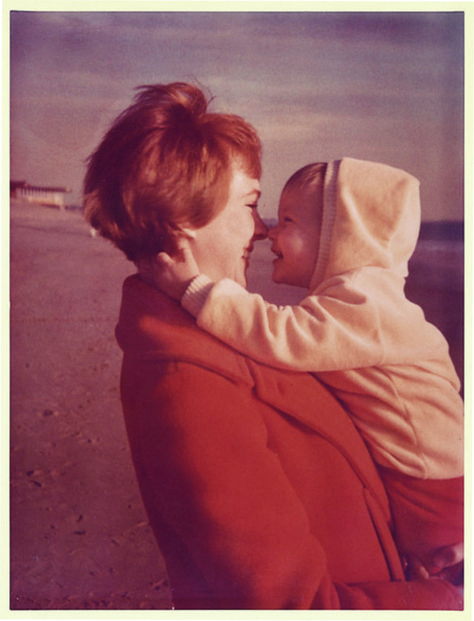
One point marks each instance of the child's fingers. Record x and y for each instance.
(163, 259)
(415, 570)
(183, 248)
(185, 253)
(449, 555)
(187, 256)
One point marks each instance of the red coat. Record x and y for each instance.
(258, 487)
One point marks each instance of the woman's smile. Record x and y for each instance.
(277, 253)
(223, 247)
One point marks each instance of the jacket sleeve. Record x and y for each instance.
(357, 320)
(199, 441)
(322, 333)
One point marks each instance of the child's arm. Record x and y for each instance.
(306, 337)
(321, 333)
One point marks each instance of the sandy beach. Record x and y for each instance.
(79, 534)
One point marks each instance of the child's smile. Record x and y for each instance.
(295, 239)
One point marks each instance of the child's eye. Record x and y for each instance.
(286, 219)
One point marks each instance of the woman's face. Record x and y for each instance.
(222, 248)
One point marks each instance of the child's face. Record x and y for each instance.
(295, 240)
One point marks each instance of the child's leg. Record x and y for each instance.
(428, 515)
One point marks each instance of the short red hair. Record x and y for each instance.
(165, 162)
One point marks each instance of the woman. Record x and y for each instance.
(259, 490)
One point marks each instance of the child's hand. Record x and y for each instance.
(170, 274)
(446, 563)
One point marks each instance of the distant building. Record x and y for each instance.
(52, 197)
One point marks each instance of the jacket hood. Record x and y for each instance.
(371, 218)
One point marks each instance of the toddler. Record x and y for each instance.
(346, 231)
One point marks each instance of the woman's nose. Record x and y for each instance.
(261, 230)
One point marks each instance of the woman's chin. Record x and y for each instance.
(277, 278)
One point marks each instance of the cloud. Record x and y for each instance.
(387, 86)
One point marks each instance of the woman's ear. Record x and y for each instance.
(187, 232)
(177, 237)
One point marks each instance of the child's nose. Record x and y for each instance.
(273, 232)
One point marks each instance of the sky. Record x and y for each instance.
(317, 86)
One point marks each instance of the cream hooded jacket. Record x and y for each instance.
(356, 329)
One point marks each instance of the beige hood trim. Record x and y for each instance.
(327, 222)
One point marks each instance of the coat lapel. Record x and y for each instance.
(295, 395)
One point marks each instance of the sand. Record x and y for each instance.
(79, 534)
